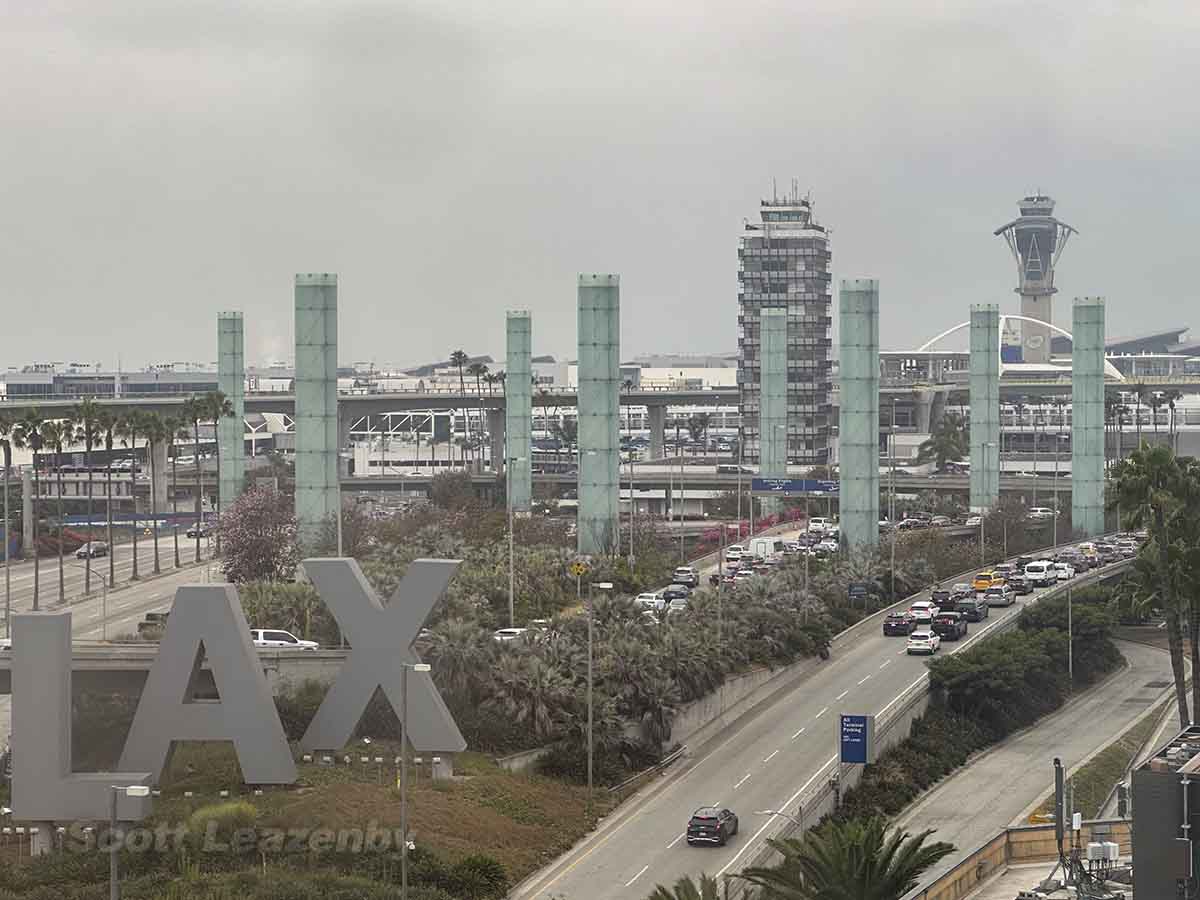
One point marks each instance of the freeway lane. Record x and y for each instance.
(773, 762)
(125, 609)
(74, 572)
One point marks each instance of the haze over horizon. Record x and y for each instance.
(449, 161)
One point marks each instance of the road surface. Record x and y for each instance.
(771, 762)
(974, 804)
(74, 574)
(126, 607)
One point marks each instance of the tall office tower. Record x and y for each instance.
(784, 263)
(1036, 240)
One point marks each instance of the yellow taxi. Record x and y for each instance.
(985, 580)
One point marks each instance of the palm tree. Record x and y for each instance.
(193, 411)
(854, 860)
(217, 406)
(1151, 491)
(107, 425)
(459, 360)
(87, 414)
(155, 428)
(1140, 396)
(129, 427)
(1172, 397)
(174, 428)
(686, 889)
(478, 370)
(947, 443)
(27, 434)
(529, 692)
(1156, 402)
(6, 430)
(58, 435)
(461, 653)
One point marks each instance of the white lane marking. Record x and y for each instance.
(784, 805)
(679, 837)
(797, 734)
(743, 781)
(886, 664)
(864, 681)
(821, 713)
(638, 875)
(772, 756)
(903, 693)
(841, 695)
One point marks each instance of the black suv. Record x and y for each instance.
(710, 825)
(675, 592)
(898, 623)
(972, 608)
(942, 599)
(949, 626)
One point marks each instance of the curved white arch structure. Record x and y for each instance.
(1109, 368)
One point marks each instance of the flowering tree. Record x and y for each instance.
(259, 537)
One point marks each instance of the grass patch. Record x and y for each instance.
(1093, 781)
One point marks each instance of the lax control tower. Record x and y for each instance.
(1037, 240)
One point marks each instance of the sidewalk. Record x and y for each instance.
(971, 806)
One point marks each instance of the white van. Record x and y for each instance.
(766, 548)
(817, 525)
(1041, 573)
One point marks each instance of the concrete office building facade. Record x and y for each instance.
(784, 263)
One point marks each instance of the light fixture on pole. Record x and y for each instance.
(116, 791)
(404, 669)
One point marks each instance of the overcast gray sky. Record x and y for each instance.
(449, 159)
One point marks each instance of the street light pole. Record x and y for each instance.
(404, 667)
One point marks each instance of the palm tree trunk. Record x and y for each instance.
(112, 551)
(62, 581)
(154, 505)
(37, 568)
(199, 488)
(133, 496)
(87, 461)
(217, 456)
(1175, 645)
(175, 504)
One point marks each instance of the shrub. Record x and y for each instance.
(221, 820)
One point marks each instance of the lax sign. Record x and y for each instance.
(207, 624)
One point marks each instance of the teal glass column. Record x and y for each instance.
(316, 405)
(518, 409)
(858, 415)
(1087, 416)
(599, 411)
(985, 406)
(231, 430)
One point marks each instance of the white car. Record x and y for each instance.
(923, 642)
(923, 610)
(973, 521)
(733, 553)
(5, 644)
(1040, 514)
(266, 637)
(679, 604)
(818, 525)
(742, 575)
(686, 575)
(505, 635)
(827, 545)
(1065, 571)
(650, 601)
